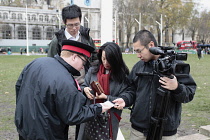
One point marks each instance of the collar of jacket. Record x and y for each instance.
(151, 62)
(70, 69)
(60, 34)
(84, 32)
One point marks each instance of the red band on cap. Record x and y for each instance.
(76, 49)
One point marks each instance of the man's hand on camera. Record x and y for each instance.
(168, 83)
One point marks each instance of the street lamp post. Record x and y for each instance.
(161, 28)
(59, 19)
(139, 22)
(27, 48)
(115, 27)
(87, 21)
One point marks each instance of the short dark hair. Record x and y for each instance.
(71, 12)
(145, 36)
(119, 70)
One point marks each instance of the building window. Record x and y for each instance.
(40, 17)
(22, 32)
(36, 33)
(20, 17)
(33, 17)
(6, 32)
(5, 16)
(28, 17)
(0, 15)
(46, 18)
(50, 33)
(13, 16)
(53, 19)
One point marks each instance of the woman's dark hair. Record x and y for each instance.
(71, 12)
(119, 70)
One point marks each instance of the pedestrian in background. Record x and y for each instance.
(199, 52)
(21, 51)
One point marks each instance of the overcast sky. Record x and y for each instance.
(203, 4)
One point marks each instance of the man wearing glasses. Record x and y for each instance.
(48, 99)
(73, 30)
(71, 16)
(144, 91)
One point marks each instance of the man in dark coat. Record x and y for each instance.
(145, 89)
(48, 99)
(71, 16)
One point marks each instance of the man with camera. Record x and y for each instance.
(145, 91)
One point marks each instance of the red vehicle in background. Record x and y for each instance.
(97, 42)
(186, 45)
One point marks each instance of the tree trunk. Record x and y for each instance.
(182, 34)
(193, 35)
(172, 34)
(127, 41)
(158, 31)
(166, 36)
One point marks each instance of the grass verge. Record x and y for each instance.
(194, 114)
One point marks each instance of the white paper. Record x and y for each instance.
(109, 103)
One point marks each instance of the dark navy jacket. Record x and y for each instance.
(48, 100)
(143, 97)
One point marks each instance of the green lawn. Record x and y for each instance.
(196, 113)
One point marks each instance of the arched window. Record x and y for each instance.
(40, 17)
(36, 33)
(20, 17)
(86, 21)
(22, 32)
(6, 32)
(46, 18)
(53, 19)
(33, 18)
(13, 16)
(5, 15)
(50, 33)
(28, 17)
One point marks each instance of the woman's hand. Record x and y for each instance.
(102, 96)
(88, 94)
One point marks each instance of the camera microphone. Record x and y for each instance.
(156, 50)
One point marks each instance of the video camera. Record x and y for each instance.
(166, 64)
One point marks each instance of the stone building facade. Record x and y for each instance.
(44, 19)
(42, 22)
